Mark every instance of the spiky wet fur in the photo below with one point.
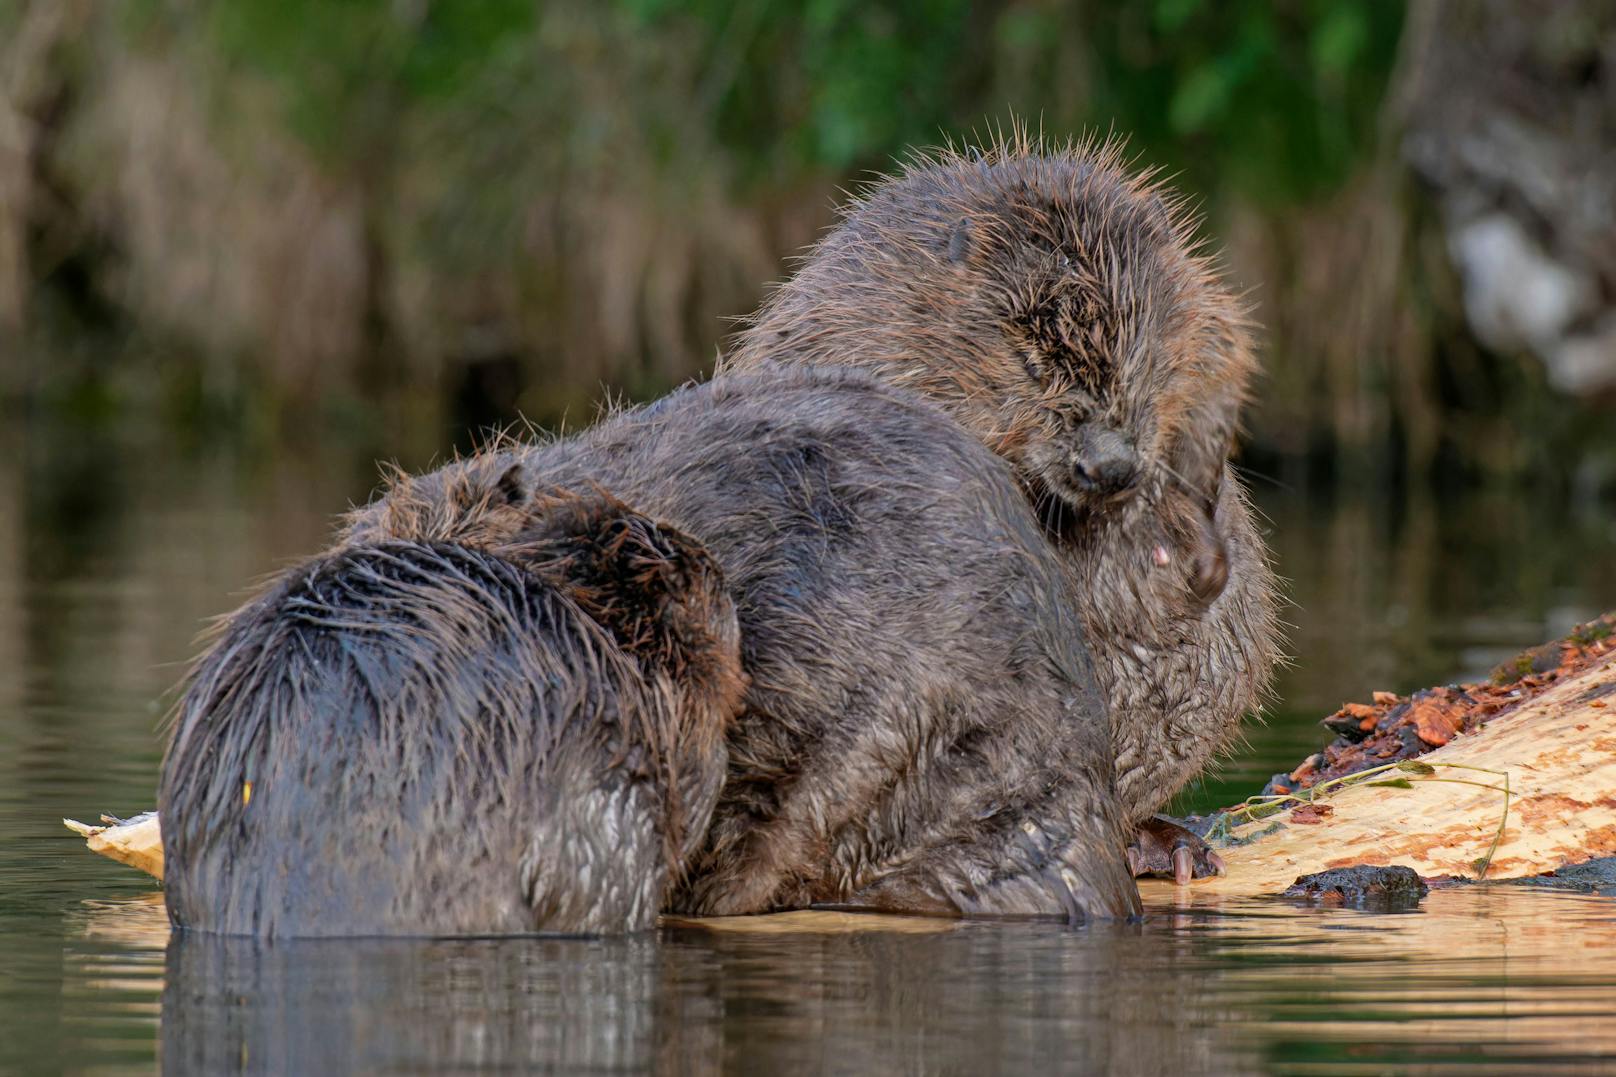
(921, 730)
(429, 734)
(1030, 290)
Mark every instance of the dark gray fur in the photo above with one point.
(922, 731)
(439, 740)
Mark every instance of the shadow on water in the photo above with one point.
(114, 549)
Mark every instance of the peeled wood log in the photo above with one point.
(1559, 751)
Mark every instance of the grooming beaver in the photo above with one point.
(922, 731)
(418, 736)
(1053, 303)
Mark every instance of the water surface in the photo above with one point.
(114, 549)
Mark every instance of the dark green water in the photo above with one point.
(114, 550)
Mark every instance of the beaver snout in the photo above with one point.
(1105, 463)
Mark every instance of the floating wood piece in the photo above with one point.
(137, 842)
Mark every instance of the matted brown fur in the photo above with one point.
(1058, 305)
(1030, 290)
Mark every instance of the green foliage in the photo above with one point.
(1273, 99)
(350, 67)
(824, 84)
(593, 185)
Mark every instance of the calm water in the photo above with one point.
(114, 550)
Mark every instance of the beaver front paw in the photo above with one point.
(1162, 847)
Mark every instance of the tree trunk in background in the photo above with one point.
(1471, 260)
(1513, 125)
(558, 224)
(30, 85)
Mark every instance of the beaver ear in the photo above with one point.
(509, 489)
(959, 241)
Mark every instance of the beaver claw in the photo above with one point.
(1162, 847)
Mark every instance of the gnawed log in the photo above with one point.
(1441, 815)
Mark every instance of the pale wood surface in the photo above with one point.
(1560, 753)
(139, 844)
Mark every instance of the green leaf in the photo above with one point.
(1393, 783)
(1024, 28)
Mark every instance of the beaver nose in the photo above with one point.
(1105, 462)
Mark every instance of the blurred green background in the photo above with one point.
(247, 248)
(271, 215)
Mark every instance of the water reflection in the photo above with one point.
(1485, 980)
(233, 1006)
(852, 1001)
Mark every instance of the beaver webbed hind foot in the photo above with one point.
(1162, 847)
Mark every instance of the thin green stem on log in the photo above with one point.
(1259, 807)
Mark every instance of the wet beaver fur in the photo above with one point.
(416, 736)
(1055, 305)
(922, 731)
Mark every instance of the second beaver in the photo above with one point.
(422, 737)
(922, 731)
(1055, 305)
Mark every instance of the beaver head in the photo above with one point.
(657, 591)
(1057, 305)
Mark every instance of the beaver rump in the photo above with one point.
(424, 737)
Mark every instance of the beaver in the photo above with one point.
(1057, 305)
(922, 731)
(420, 736)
